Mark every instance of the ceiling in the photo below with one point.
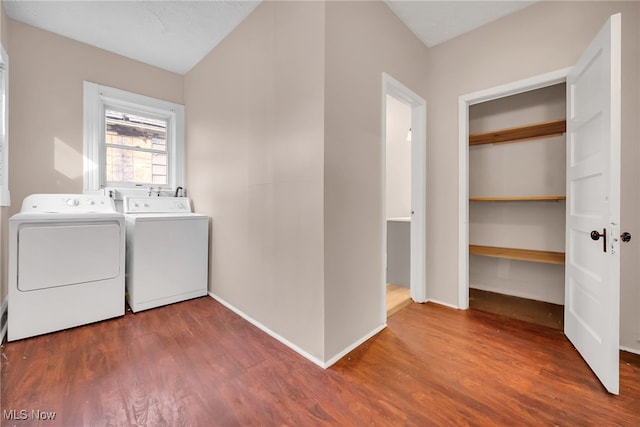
(435, 22)
(173, 35)
(176, 35)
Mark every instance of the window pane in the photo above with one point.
(135, 167)
(135, 131)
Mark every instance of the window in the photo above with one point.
(4, 129)
(136, 149)
(132, 142)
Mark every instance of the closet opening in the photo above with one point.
(593, 153)
(517, 205)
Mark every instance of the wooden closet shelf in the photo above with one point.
(517, 198)
(520, 133)
(518, 254)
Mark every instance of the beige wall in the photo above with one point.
(47, 72)
(4, 211)
(363, 40)
(255, 141)
(544, 37)
(533, 168)
(284, 145)
(4, 27)
(45, 104)
(284, 153)
(398, 159)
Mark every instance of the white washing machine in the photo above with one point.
(167, 251)
(66, 263)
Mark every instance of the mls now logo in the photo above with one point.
(14, 414)
(23, 414)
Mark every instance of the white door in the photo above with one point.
(592, 283)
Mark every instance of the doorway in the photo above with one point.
(465, 102)
(403, 171)
(593, 129)
(398, 204)
(517, 209)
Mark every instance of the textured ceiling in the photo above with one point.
(435, 22)
(176, 35)
(173, 35)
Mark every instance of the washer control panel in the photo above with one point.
(67, 203)
(153, 204)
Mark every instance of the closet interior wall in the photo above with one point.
(532, 167)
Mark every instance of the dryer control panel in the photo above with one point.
(67, 203)
(152, 204)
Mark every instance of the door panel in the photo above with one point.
(592, 285)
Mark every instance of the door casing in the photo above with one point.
(464, 102)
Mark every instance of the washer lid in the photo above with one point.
(139, 205)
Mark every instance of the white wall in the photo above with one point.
(544, 37)
(398, 159)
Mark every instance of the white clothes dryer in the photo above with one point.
(66, 263)
(167, 251)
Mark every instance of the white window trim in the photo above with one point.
(96, 98)
(5, 198)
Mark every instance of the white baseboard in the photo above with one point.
(269, 332)
(292, 346)
(435, 301)
(353, 346)
(630, 350)
(3, 319)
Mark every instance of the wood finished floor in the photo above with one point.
(197, 364)
(532, 311)
(398, 297)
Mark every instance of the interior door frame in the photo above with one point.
(464, 102)
(418, 283)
